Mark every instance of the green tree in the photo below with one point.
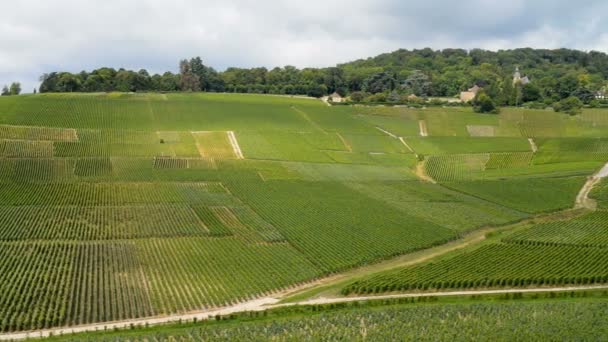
(483, 103)
(418, 83)
(15, 88)
(571, 105)
(530, 92)
(5, 91)
(379, 83)
(189, 81)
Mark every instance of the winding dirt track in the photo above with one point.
(582, 199)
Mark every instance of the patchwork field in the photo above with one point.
(120, 206)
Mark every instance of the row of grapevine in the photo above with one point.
(47, 284)
(495, 321)
(431, 202)
(37, 133)
(456, 167)
(496, 265)
(98, 223)
(588, 231)
(335, 226)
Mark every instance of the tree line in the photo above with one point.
(13, 89)
(555, 75)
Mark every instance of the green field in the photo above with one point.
(570, 316)
(119, 206)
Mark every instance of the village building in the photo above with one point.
(335, 97)
(469, 95)
(517, 78)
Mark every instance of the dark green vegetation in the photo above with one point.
(530, 317)
(117, 206)
(388, 78)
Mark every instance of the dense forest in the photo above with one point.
(392, 77)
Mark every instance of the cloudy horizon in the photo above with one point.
(38, 36)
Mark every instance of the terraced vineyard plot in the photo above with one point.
(98, 223)
(336, 227)
(461, 145)
(51, 284)
(282, 146)
(456, 167)
(11, 132)
(531, 195)
(26, 149)
(431, 202)
(496, 265)
(590, 230)
(214, 145)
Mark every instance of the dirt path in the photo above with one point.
(235, 145)
(307, 118)
(423, 130)
(345, 143)
(318, 301)
(533, 145)
(582, 199)
(420, 173)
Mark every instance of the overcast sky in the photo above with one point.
(38, 36)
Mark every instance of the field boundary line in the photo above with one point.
(308, 119)
(235, 145)
(348, 147)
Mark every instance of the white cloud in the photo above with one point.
(38, 36)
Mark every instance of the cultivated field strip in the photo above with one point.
(590, 230)
(496, 265)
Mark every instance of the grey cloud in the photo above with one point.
(38, 36)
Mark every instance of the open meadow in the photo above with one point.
(119, 206)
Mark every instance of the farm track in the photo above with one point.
(582, 199)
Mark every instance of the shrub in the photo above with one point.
(571, 105)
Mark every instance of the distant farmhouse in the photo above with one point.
(469, 95)
(335, 97)
(602, 94)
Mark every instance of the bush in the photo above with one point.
(571, 105)
(358, 96)
(483, 103)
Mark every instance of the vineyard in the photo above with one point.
(556, 319)
(121, 206)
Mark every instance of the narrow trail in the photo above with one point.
(582, 199)
(533, 146)
(235, 145)
(420, 173)
(422, 127)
